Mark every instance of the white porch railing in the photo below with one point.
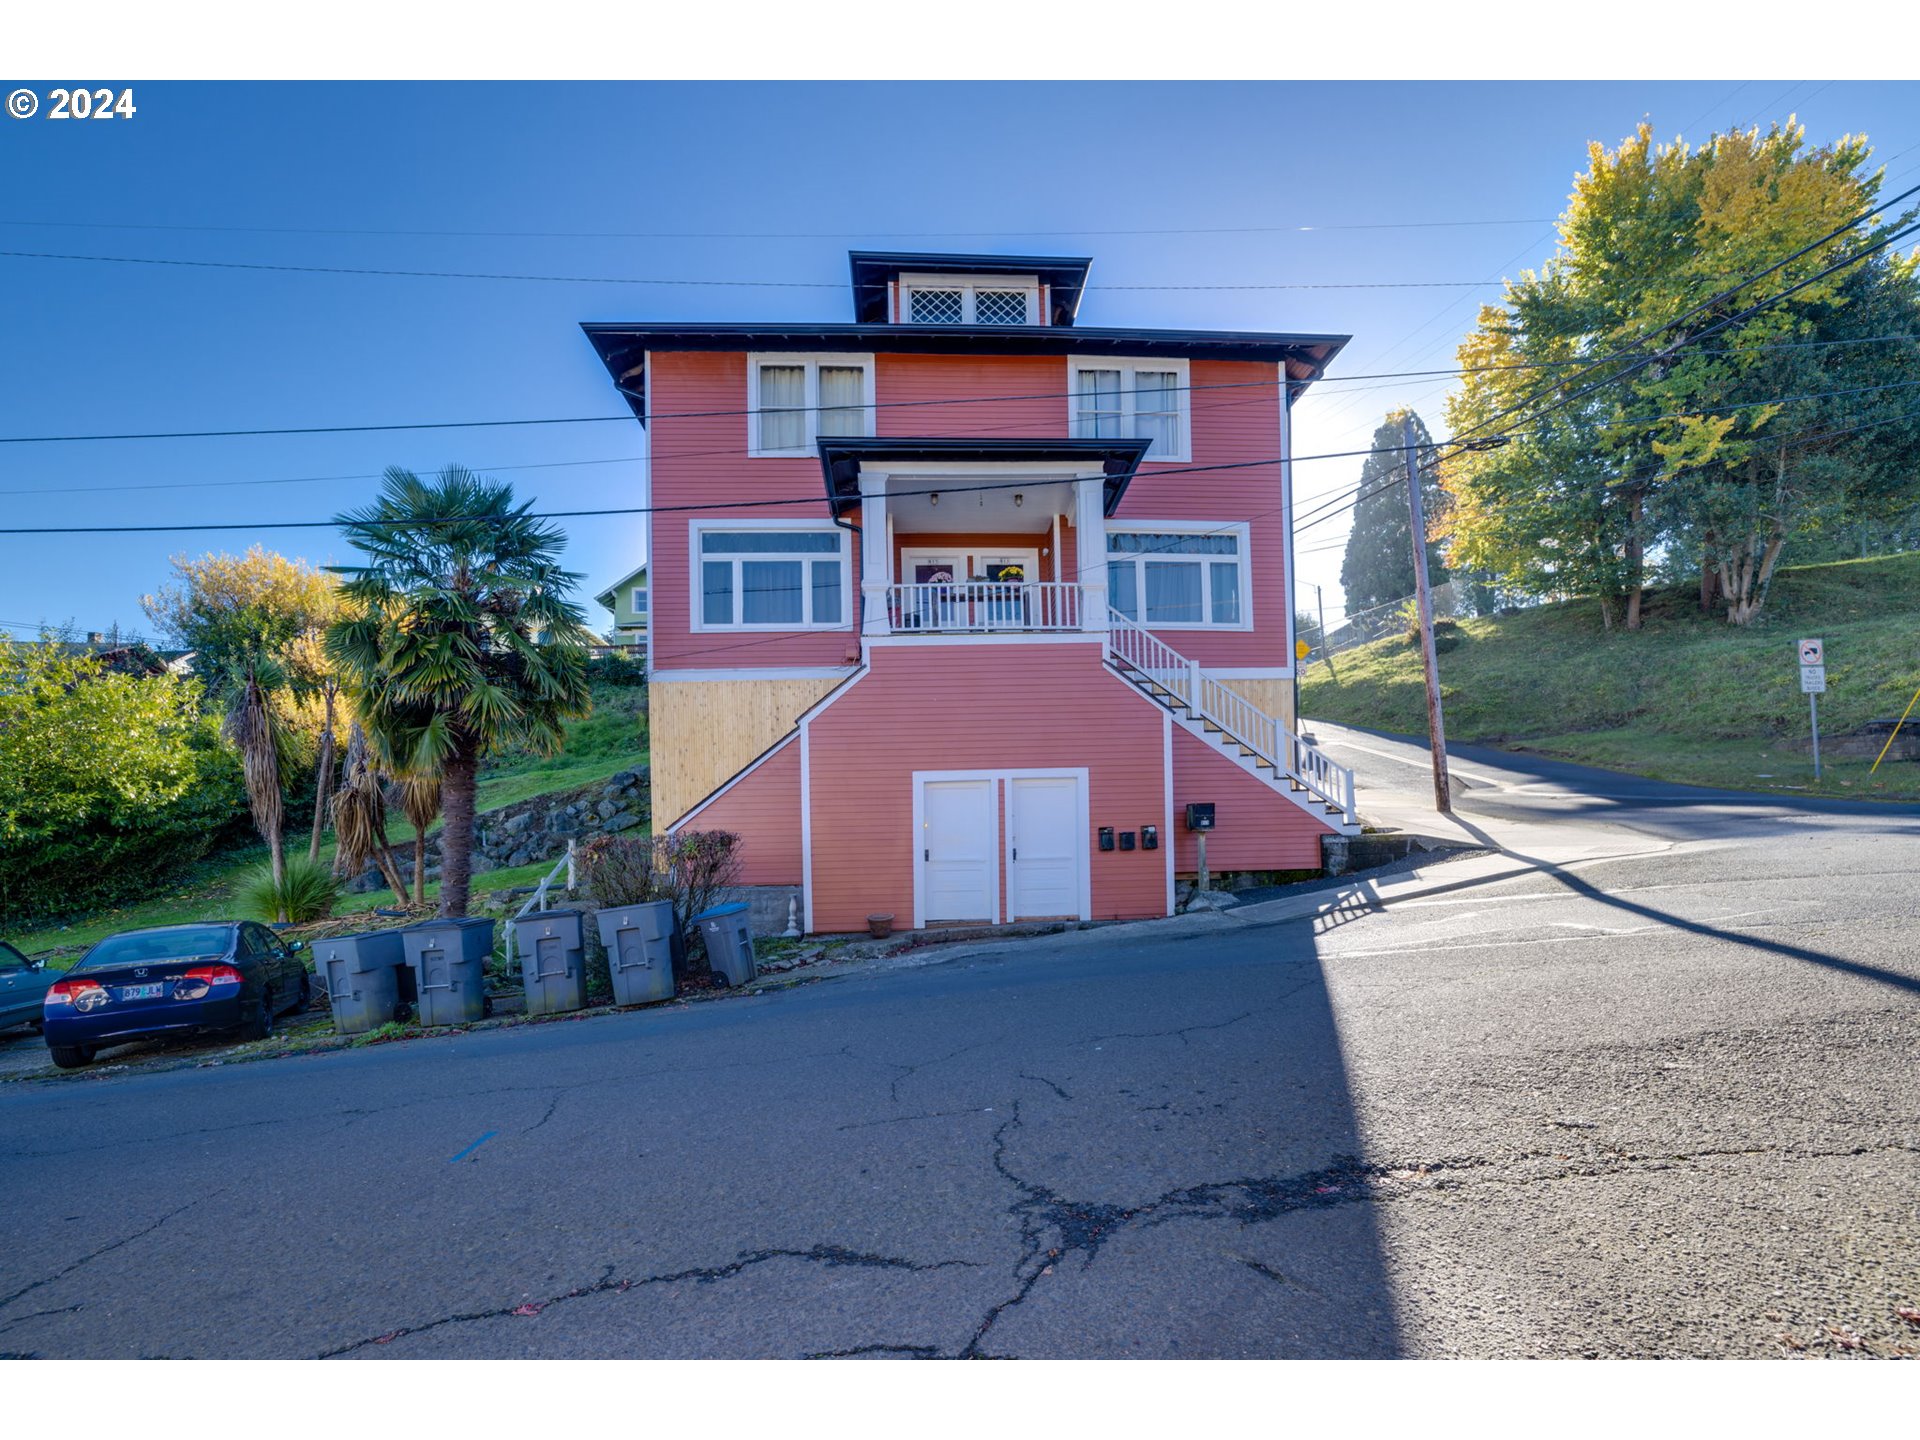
(1206, 698)
(983, 606)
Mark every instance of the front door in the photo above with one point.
(958, 875)
(1043, 848)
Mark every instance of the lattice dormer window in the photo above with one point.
(969, 300)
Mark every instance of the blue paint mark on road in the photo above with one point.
(473, 1147)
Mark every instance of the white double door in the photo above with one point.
(972, 826)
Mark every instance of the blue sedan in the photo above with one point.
(173, 980)
(23, 985)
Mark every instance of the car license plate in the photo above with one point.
(143, 992)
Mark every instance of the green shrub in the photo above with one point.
(109, 783)
(307, 891)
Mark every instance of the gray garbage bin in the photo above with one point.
(640, 943)
(449, 959)
(729, 941)
(552, 961)
(361, 974)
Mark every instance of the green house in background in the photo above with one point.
(627, 599)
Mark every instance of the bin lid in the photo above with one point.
(455, 922)
(738, 907)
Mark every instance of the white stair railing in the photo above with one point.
(538, 900)
(1207, 699)
(1140, 650)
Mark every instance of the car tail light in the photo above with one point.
(85, 993)
(214, 974)
(202, 978)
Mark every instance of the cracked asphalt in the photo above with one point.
(1660, 1102)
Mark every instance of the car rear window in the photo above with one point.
(139, 945)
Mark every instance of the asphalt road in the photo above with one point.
(1663, 1103)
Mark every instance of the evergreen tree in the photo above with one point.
(1378, 565)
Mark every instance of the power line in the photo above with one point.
(1167, 470)
(868, 405)
(1710, 302)
(759, 234)
(698, 284)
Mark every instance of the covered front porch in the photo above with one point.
(981, 537)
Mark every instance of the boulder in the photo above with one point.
(622, 821)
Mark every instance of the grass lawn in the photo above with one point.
(1688, 698)
(611, 739)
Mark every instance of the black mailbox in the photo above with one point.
(1126, 839)
(1106, 837)
(1149, 837)
(1200, 817)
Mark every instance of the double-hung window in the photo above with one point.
(1192, 577)
(789, 577)
(1133, 399)
(639, 599)
(795, 399)
(970, 299)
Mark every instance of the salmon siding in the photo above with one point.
(949, 728)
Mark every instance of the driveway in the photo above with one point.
(1651, 1095)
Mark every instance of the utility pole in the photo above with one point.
(1423, 600)
(1320, 611)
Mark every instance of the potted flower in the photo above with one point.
(879, 926)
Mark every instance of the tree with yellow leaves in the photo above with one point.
(1711, 459)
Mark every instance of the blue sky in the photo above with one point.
(91, 347)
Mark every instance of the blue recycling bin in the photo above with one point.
(729, 941)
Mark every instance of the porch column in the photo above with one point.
(1090, 534)
(876, 554)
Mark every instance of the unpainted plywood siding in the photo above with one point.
(703, 732)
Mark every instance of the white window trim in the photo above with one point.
(967, 285)
(811, 363)
(696, 596)
(634, 601)
(1242, 533)
(1128, 367)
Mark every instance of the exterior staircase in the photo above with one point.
(1257, 742)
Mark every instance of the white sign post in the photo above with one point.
(1813, 684)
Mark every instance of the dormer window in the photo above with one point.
(970, 299)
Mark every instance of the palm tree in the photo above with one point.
(418, 795)
(465, 639)
(360, 820)
(253, 729)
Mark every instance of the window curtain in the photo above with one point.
(771, 592)
(783, 401)
(1173, 592)
(1156, 410)
(843, 396)
(1099, 412)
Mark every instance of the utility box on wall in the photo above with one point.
(1200, 817)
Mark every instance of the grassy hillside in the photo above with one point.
(1687, 698)
(612, 738)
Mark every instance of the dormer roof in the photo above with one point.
(875, 270)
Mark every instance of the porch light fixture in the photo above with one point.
(1018, 499)
(933, 498)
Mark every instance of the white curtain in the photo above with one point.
(843, 394)
(1173, 592)
(783, 400)
(1099, 404)
(1156, 410)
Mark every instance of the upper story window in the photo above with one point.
(640, 600)
(778, 575)
(1133, 399)
(1179, 575)
(970, 299)
(795, 399)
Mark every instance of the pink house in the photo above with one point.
(957, 608)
